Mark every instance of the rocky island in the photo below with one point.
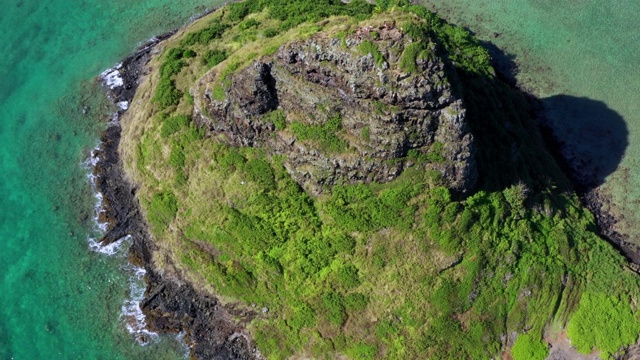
(329, 180)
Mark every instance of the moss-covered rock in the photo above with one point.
(362, 176)
(328, 78)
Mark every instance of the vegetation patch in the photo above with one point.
(326, 135)
(161, 210)
(367, 47)
(204, 36)
(528, 347)
(277, 118)
(398, 270)
(214, 57)
(603, 322)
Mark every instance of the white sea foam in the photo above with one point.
(110, 249)
(112, 77)
(131, 312)
(98, 207)
(132, 315)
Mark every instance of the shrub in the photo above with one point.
(259, 171)
(348, 276)
(189, 54)
(232, 160)
(214, 57)
(367, 47)
(171, 67)
(516, 195)
(343, 243)
(205, 35)
(333, 304)
(167, 94)
(527, 347)
(602, 322)
(356, 302)
(270, 32)
(174, 124)
(174, 54)
(303, 315)
(247, 24)
(162, 210)
(240, 10)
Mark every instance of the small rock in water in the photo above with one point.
(143, 339)
(49, 327)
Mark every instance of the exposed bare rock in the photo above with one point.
(385, 112)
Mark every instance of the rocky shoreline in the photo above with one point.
(171, 305)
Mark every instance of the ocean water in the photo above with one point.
(581, 58)
(59, 299)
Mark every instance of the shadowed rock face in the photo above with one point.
(385, 112)
(171, 307)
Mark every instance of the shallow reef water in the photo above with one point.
(62, 299)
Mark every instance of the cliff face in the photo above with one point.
(372, 118)
(234, 131)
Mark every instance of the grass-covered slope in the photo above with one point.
(398, 270)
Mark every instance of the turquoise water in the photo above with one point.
(585, 50)
(59, 299)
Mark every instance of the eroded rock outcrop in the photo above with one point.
(376, 118)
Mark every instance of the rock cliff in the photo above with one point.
(349, 112)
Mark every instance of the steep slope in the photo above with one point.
(350, 115)
(363, 185)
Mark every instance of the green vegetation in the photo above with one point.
(367, 47)
(271, 32)
(205, 35)
(174, 124)
(296, 12)
(277, 118)
(325, 135)
(366, 133)
(434, 155)
(214, 57)
(161, 210)
(412, 53)
(399, 270)
(528, 348)
(166, 92)
(603, 322)
(247, 24)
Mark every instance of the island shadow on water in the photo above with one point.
(586, 137)
(590, 137)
